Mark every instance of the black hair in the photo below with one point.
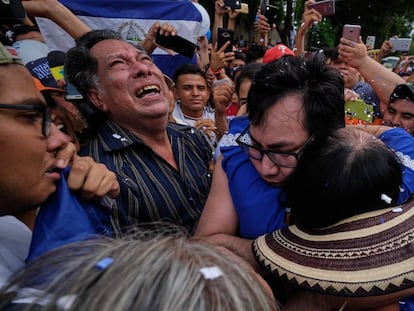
(254, 52)
(81, 69)
(188, 69)
(247, 73)
(341, 175)
(321, 89)
(331, 53)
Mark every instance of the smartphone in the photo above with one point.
(176, 43)
(325, 7)
(221, 81)
(360, 110)
(72, 93)
(233, 4)
(401, 44)
(370, 42)
(270, 11)
(244, 9)
(224, 35)
(351, 32)
(11, 12)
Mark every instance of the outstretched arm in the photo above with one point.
(59, 14)
(382, 80)
(309, 16)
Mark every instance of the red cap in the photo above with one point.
(276, 52)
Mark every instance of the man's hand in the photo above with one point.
(309, 17)
(220, 58)
(221, 95)
(93, 179)
(149, 45)
(219, 8)
(354, 54)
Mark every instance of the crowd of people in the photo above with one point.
(260, 178)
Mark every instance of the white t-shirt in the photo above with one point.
(15, 238)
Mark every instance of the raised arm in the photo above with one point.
(232, 19)
(309, 16)
(382, 80)
(219, 12)
(59, 14)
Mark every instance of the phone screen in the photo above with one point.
(176, 43)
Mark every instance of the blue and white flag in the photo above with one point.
(132, 18)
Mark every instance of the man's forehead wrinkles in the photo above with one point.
(124, 54)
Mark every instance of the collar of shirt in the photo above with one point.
(116, 138)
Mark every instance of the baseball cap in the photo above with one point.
(44, 88)
(276, 52)
(56, 61)
(34, 55)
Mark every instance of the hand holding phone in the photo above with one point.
(401, 44)
(351, 32)
(176, 43)
(224, 35)
(325, 7)
(370, 42)
(269, 11)
(244, 9)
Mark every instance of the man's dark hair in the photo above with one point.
(321, 90)
(341, 175)
(188, 69)
(80, 66)
(247, 73)
(81, 69)
(240, 55)
(331, 53)
(254, 52)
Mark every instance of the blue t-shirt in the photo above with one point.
(259, 205)
(402, 143)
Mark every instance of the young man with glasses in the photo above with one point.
(33, 152)
(291, 101)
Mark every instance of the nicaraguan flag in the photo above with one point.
(132, 18)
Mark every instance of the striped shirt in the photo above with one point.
(151, 189)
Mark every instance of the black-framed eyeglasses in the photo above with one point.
(45, 110)
(283, 159)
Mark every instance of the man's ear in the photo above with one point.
(176, 96)
(94, 97)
